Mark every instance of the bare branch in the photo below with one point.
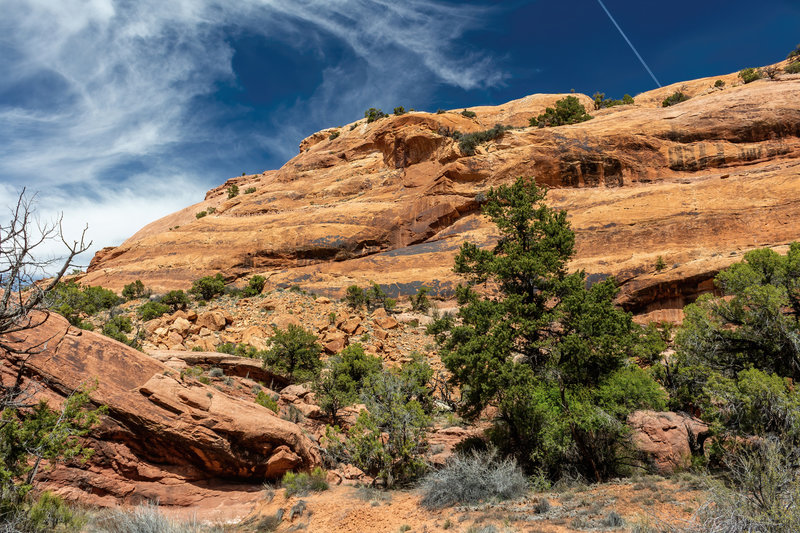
(22, 291)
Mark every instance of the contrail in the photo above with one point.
(629, 42)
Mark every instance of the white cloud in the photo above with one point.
(99, 102)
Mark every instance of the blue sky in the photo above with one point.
(118, 113)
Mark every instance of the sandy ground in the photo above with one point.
(345, 509)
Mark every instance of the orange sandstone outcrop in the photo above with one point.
(166, 436)
(697, 184)
(667, 438)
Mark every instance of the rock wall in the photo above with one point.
(697, 184)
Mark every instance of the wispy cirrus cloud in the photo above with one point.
(110, 104)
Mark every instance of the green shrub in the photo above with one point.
(377, 297)
(233, 191)
(399, 111)
(440, 326)
(469, 114)
(201, 214)
(176, 299)
(135, 290)
(343, 379)
(660, 264)
(419, 301)
(295, 352)
(601, 102)
(372, 114)
(794, 53)
(735, 354)
(254, 286)
(98, 298)
(250, 190)
(355, 297)
(467, 142)
(265, 400)
(71, 301)
(389, 440)
(239, 350)
(567, 111)
(719, 84)
(303, 483)
(29, 436)
(470, 479)
(334, 134)
(749, 75)
(151, 310)
(207, 287)
(675, 98)
(440, 111)
(792, 68)
(50, 513)
(216, 373)
(117, 327)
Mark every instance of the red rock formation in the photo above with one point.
(698, 184)
(165, 436)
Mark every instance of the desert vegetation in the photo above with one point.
(601, 102)
(750, 75)
(568, 110)
(675, 98)
(32, 434)
(467, 142)
(557, 365)
(372, 114)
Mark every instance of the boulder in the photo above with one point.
(174, 338)
(213, 320)
(254, 336)
(161, 435)
(667, 438)
(335, 345)
(181, 326)
(386, 322)
(283, 321)
(351, 325)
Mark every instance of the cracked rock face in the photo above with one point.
(166, 436)
(697, 184)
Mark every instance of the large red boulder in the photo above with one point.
(166, 436)
(667, 438)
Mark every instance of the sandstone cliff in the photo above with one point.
(697, 184)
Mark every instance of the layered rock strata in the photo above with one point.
(697, 184)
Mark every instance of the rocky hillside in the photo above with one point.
(696, 184)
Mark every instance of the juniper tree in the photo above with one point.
(549, 352)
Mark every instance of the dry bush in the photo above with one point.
(761, 495)
(145, 518)
(471, 478)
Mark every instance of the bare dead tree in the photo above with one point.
(23, 288)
